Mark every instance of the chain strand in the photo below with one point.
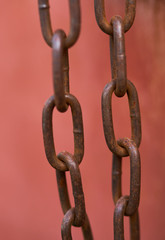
(124, 205)
(62, 99)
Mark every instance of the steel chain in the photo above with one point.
(124, 205)
(62, 99)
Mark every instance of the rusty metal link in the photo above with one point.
(118, 58)
(68, 222)
(119, 221)
(134, 196)
(46, 26)
(79, 210)
(102, 22)
(63, 191)
(73, 216)
(108, 122)
(60, 70)
(48, 131)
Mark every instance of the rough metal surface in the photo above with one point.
(135, 168)
(118, 58)
(62, 99)
(108, 117)
(124, 205)
(77, 131)
(119, 221)
(65, 161)
(75, 22)
(105, 25)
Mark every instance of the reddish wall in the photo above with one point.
(29, 203)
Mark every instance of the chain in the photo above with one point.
(120, 85)
(62, 99)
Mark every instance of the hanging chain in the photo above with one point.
(64, 161)
(124, 205)
(62, 99)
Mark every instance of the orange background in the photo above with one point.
(29, 202)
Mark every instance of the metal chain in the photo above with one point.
(64, 161)
(62, 99)
(124, 205)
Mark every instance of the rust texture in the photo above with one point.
(75, 22)
(60, 70)
(73, 216)
(78, 194)
(105, 25)
(134, 155)
(77, 131)
(118, 58)
(60, 42)
(120, 85)
(68, 222)
(119, 221)
(108, 119)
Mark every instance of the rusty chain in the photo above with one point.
(124, 205)
(62, 99)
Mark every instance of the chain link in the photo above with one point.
(60, 70)
(124, 205)
(77, 131)
(46, 26)
(62, 99)
(118, 58)
(134, 155)
(105, 26)
(119, 221)
(108, 119)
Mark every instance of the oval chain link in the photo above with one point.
(46, 26)
(68, 222)
(79, 209)
(134, 196)
(60, 70)
(118, 58)
(105, 26)
(118, 221)
(108, 120)
(73, 216)
(48, 132)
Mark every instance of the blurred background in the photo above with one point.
(29, 202)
